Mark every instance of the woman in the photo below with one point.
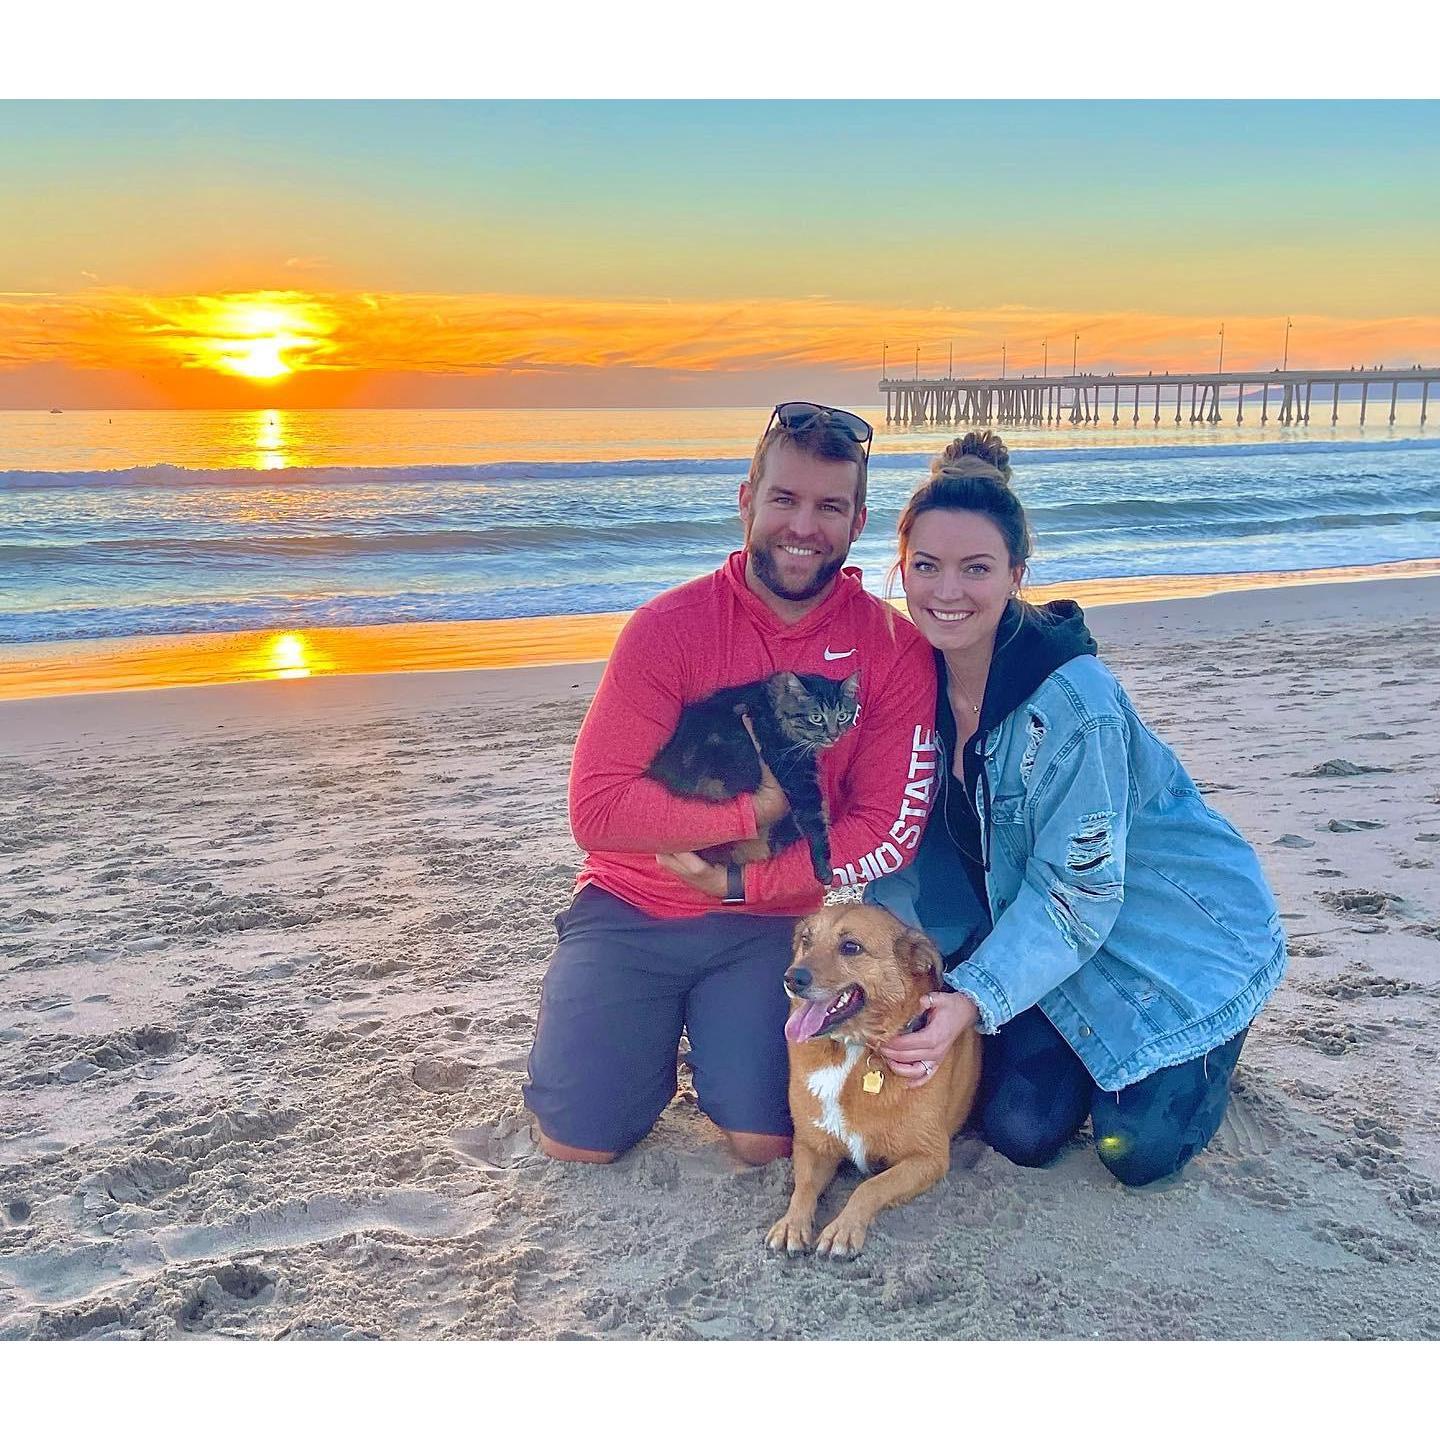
(1110, 934)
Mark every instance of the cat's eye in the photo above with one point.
(816, 718)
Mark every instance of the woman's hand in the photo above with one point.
(686, 865)
(916, 1057)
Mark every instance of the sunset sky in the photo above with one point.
(393, 253)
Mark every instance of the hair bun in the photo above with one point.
(985, 446)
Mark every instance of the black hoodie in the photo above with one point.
(1031, 643)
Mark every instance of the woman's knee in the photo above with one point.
(1025, 1139)
(1136, 1163)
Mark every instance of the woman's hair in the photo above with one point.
(972, 474)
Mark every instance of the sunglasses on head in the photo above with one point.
(797, 415)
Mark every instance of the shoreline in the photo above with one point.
(50, 669)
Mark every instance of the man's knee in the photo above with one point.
(757, 1149)
(556, 1151)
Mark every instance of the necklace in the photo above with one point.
(974, 708)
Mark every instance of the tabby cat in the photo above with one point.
(794, 716)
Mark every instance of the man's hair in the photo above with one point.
(825, 441)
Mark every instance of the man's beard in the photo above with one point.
(764, 562)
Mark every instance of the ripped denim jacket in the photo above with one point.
(1133, 914)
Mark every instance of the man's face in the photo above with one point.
(800, 521)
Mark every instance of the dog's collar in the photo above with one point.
(916, 1022)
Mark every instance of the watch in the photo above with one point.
(734, 884)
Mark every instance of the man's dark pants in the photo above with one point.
(621, 988)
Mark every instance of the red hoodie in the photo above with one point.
(684, 645)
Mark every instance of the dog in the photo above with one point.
(856, 980)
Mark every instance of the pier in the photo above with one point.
(1204, 398)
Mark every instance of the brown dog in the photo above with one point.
(857, 979)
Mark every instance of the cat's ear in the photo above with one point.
(850, 687)
(917, 953)
(794, 686)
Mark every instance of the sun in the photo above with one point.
(259, 359)
(264, 337)
(260, 338)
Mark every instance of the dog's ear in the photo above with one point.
(914, 950)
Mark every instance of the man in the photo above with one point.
(656, 940)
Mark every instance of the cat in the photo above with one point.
(794, 716)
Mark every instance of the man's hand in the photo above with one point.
(770, 801)
(915, 1057)
(686, 865)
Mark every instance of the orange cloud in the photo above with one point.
(274, 335)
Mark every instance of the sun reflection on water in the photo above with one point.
(284, 655)
(270, 440)
(288, 655)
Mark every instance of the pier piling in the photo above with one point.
(1078, 398)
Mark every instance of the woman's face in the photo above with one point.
(957, 577)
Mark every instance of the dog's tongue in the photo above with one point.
(804, 1022)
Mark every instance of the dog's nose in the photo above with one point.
(797, 979)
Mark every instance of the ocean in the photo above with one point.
(166, 523)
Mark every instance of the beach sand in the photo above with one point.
(272, 952)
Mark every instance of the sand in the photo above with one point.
(271, 954)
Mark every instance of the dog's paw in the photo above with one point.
(842, 1239)
(791, 1234)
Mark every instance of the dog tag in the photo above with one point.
(872, 1082)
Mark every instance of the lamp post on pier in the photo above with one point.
(1285, 360)
(1220, 368)
(1002, 361)
(884, 351)
(1074, 355)
(1045, 348)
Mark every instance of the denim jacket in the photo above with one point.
(1133, 914)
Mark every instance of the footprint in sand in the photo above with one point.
(507, 1144)
(1368, 1244)
(1342, 769)
(149, 1042)
(442, 1076)
(230, 1288)
(1361, 902)
(1359, 983)
(1252, 1124)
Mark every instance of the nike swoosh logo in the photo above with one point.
(838, 654)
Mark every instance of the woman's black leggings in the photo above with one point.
(1036, 1092)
